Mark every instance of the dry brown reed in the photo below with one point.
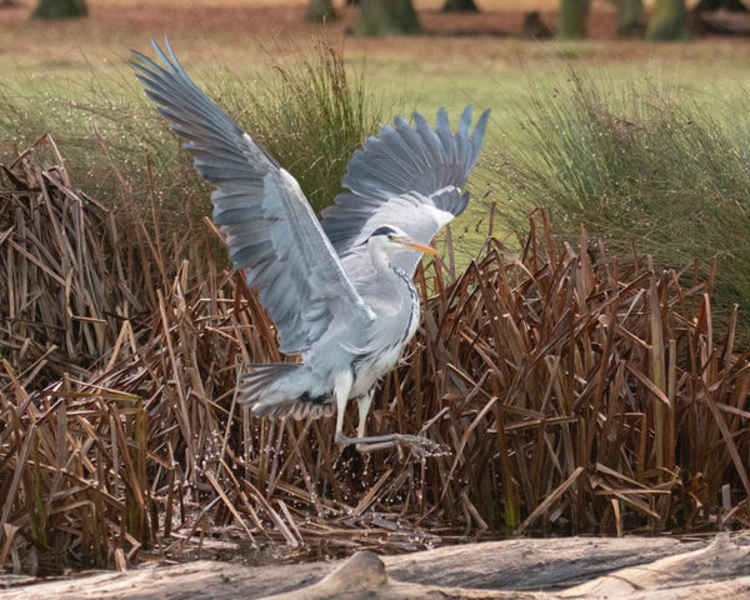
(575, 394)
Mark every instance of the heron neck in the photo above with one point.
(382, 261)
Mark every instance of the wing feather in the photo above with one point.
(410, 177)
(270, 228)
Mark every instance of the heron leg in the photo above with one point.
(366, 444)
(364, 403)
(421, 446)
(341, 386)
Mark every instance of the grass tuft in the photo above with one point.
(642, 165)
(310, 114)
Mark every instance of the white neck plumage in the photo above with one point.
(381, 257)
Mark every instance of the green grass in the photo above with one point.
(311, 114)
(542, 148)
(112, 139)
(309, 109)
(657, 165)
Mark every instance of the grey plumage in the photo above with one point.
(260, 208)
(340, 291)
(399, 175)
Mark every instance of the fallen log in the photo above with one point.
(531, 564)
(363, 577)
(523, 569)
(724, 565)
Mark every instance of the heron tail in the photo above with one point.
(273, 390)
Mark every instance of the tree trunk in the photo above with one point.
(534, 28)
(60, 9)
(320, 11)
(459, 6)
(573, 16)
(668, 21)
(629, 13)
(712, 5)
(387, 17)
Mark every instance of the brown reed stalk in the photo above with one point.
(575, 392)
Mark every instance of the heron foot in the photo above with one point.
(421, 446)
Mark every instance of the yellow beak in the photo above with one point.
(420, 247)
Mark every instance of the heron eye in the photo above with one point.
(391, 236)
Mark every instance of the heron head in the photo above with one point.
(392, 240)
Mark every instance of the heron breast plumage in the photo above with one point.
(393, 331)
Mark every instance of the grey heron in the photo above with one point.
(339, 290)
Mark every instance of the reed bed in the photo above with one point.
(574, 392)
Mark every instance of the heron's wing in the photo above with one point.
(270, 228)
(410, 177)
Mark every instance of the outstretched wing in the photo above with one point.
(408, 177)
(269, 225)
